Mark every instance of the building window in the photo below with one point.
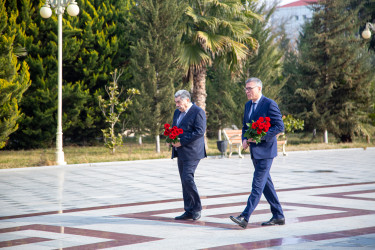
(304, 17)
(296, 18)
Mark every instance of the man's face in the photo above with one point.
(181, 104)
(253, 91)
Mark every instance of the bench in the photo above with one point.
(234, 139)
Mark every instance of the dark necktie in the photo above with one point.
(252, 110)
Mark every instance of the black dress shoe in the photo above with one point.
(273, 222)
(196, 215)
(240, 220)
(184, 216)
(188, 216)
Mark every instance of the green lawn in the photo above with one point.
(133, 151)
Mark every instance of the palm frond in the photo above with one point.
(193, 55)
(217, 28)
(211, 42)
(253, 15)
(239, 49)
(191, 13)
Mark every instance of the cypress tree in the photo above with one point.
(90, 44)
(14, 76)
(335, 71)
(293, 73)
(154, 52)
(222, 107)
(103, 38)
(266, 62)
(40, 101)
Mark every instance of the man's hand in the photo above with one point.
(244, 144)
(250, 140)
(176, 145)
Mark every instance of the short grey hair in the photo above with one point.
(183, 94)
(257, 81)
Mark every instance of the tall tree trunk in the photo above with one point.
(199, 92)
(199, 87)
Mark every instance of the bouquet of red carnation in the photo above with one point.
(258, 129)
(172, 133)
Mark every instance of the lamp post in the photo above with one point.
(46, 12)
(366, 34)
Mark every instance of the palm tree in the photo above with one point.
(215, 29)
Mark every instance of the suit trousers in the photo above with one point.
(192, 201)
(262, 183)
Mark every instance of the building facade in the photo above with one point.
(293, 16)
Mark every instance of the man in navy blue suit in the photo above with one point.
(189, 150)
(262, 154)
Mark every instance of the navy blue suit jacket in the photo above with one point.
(267, 148)
(192, 140)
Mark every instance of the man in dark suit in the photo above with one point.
(189, 150)
(262, 154)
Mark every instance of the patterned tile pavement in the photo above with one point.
(328, 197)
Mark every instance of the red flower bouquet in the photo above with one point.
(172, 133)
(258, 129)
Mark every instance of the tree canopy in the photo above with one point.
(14, 75)
(333, 72)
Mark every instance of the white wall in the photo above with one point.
(293, 17)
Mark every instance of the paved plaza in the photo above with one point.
(328, 197)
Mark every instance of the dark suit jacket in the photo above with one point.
(267, 148)
(192, 140)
